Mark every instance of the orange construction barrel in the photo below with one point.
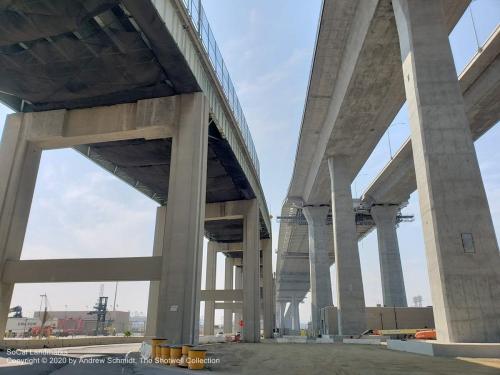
(165, 354)
(175, 355)
(196, 359)
(155, 343)
(185, 349)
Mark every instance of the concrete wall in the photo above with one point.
(384, 318)
(67, 342)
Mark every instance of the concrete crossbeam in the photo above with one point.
(149, 119)
(82, 270)
(222, 295)
(225, 210)
(236, 307)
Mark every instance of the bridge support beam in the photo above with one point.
(391, 272)
(238, 284)
(295, 313)
(251, 273)
(154, 286)
(228, 284)
(281, 307)
(180, 284)
(19, 162)
(210, 277)
(268, 287)
(350, 294)
(461, 247)
(319, 262)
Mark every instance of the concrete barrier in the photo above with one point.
(363, 341)
(68, 342)
(437, 349)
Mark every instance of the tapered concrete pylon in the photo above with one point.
(350, 294)
(180, 284)
(210, 277)
(391, 271)
(268, 287)
(238, 284)
(319, 262)
(251, 274)
(19, 162)
(460, 243)
(228, 284)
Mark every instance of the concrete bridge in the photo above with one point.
(371, 56)
(140, 88)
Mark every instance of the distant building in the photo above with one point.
(18, 327)
(83, 323)
(137, 324)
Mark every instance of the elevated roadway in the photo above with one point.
(480, 85)
(140, 88)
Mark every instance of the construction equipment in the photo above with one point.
(17, 310)
(100, 309)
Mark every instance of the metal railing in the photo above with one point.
(199, 19)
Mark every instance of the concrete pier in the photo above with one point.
(461, 247)
(228, 285)
(280, 315)
(295, 313)
(19, 161)
(180, 284)
(268, 287)
(251, 274)
(350, 294)
(391, 272)
(154, 286)
(210, 278)
(321, 284)
(238, 284)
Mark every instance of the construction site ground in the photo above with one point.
(266, 358)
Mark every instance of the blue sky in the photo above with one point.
(81, 211)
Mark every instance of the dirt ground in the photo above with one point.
(341, 359)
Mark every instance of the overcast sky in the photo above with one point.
(79, 210)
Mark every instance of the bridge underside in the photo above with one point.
(78, 54)
(75, 54)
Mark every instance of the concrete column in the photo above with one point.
(391, 272)
(281, 315)
(267, 270)
(295, 314)
(350, 295)
(19, 161)
(238, 284)
(319, 262)
(461, 247)
(228, 284)
(288, 317)
(251, 274)
(154, 286)
(179, 297)
(210, 278)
